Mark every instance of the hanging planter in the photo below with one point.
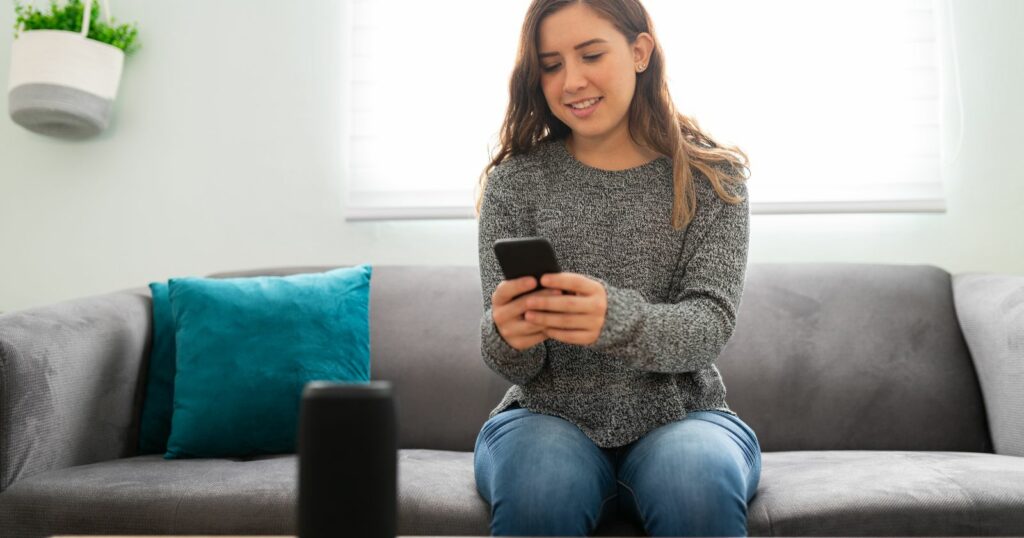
(65, 72)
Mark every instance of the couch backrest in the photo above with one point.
(837, 356)
(825, 356)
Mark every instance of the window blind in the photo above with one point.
(837, 104)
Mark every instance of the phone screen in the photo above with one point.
(526, 256)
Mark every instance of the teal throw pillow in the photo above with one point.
(158, 402)
(246, 347)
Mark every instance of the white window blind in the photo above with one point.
(837, 104)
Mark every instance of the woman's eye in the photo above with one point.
(551, 68)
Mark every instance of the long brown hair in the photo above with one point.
(652, 115)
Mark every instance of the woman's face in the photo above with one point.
(605, 68)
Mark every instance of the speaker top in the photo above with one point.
(377, 388)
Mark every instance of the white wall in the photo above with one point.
(225, 152)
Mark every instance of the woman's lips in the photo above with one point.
(586, 111)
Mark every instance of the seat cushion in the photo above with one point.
(255, 496)
(824, 493)
(151, 495)
(888, 493)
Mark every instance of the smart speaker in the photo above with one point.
(348, 460)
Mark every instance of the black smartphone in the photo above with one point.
(526, 256)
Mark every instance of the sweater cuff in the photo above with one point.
(619, 319)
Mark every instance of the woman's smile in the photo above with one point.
(583, 113)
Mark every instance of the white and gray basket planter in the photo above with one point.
(62, 83)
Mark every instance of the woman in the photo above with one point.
(616, 400)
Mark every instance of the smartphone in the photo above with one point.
(526, 256)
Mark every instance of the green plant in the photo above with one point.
(69, 18)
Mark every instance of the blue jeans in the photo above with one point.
(542, 476)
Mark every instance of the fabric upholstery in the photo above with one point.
(848, 356)
(826, 356)
(856, 378)
(990, 308)
(70, 378)
(801, 493)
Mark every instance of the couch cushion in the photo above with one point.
(801, 493)
(149, 495)
(990, 308)
(837, 356)
(888, 493)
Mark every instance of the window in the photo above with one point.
(837, 104)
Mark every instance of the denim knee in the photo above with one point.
(690, 478)
(541, 475)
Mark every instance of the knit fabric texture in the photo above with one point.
(672, 294)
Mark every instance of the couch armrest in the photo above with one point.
(990, 308)
(70, 382)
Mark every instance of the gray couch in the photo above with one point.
(887, 400)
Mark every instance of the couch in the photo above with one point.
(887, 400)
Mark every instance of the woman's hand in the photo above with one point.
(573, 319)
(508, 303)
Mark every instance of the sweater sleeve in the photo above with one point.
(505, 212)
(689, 332)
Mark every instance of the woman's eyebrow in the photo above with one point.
(577, 47)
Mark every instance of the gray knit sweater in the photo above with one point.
(672, 295)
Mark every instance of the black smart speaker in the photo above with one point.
(348, 460)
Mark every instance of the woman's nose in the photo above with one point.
(574, 80)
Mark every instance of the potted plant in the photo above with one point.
(65, 68)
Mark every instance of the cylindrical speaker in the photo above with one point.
(348, 460)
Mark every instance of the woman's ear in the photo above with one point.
(642, 48)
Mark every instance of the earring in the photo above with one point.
(641, 67)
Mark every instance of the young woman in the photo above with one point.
(616, 401)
